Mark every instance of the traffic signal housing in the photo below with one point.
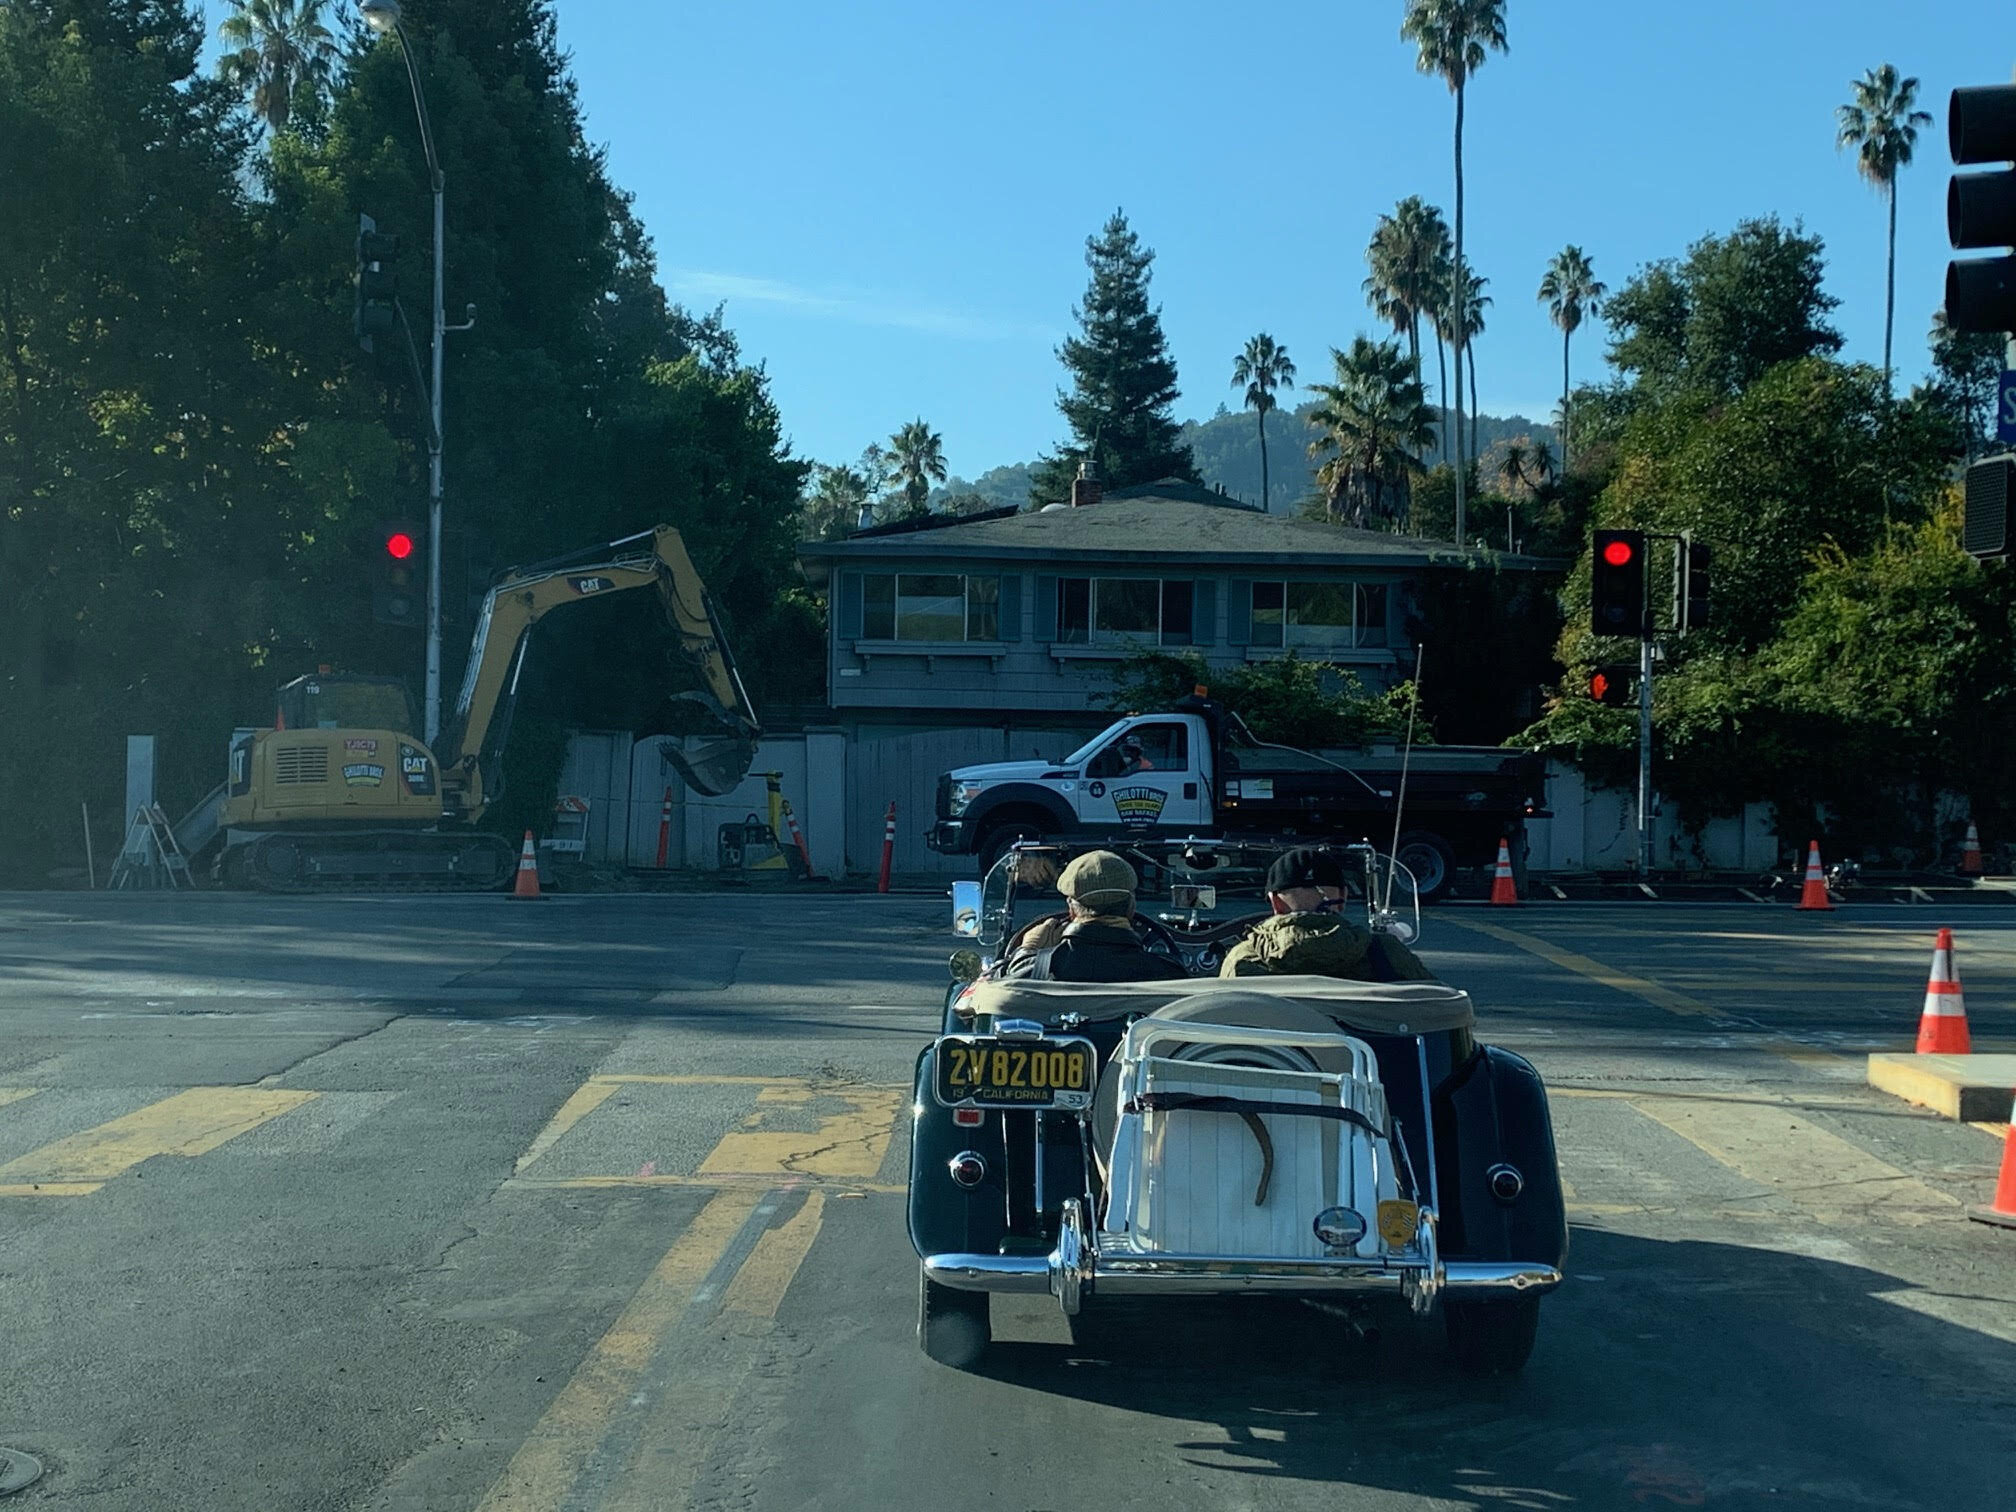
(1984, 527)
(399, 593)
(1617, 583)
(1690, 598)
(1981, 209)
(377, 286)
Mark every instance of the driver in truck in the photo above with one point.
(1307, 936)
(1099, 944)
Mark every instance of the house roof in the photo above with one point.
(1161, 523)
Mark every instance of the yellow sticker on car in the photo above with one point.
(1399, 1220)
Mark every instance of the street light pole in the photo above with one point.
(382, 16)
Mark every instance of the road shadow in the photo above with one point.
(1669, 1374)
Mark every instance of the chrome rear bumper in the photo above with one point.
(1073, 1270)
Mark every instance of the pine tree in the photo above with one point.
(1123, 379)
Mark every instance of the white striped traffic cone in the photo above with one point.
(1942, 1027)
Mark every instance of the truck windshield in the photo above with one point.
(1085, 751)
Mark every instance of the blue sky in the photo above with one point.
(892, 197)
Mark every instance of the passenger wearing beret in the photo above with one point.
(1307, 936)
(1099, 944)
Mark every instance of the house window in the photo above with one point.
(1126, 611)
(930, 607)
(1319, 616)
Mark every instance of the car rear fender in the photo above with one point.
(1493, 1115)
(944, 1216)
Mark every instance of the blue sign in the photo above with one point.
(2005, 408)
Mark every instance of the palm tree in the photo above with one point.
(1374, 420)
(1513, 469)
(279, 47)
(1459, 330)
(916, 461)
(1882, 127)
(1570, 290)
(1453, 38)
(1541, 467)
(1409, 258)
(1263, 367)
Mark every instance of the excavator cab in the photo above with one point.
(343, 701)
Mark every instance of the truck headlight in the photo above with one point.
(963, 793)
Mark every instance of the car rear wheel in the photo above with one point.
(952, 1325)
(1492, 1338)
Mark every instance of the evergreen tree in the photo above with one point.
(1123, 379)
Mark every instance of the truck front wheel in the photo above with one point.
(1429, 857)
(994, 844)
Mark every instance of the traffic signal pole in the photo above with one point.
(1645, 749)
(433, 715)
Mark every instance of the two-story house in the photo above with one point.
(1016, 614)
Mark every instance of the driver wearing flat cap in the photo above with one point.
(1308, 936)
(1099, 943)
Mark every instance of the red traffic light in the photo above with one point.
(1599, 687)
(399, 545)
(1618, 553)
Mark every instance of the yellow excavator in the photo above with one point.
(342, 793)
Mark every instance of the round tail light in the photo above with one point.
(967, 1168)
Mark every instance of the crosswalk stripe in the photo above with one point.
(542, 1471)
(1828, 1178)
(759, 1287)
(585, 1099)
(191, 1122)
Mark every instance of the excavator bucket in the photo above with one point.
(714, 764)
(714, 767)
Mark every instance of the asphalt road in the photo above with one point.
(466, 1203)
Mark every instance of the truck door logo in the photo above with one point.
(1139, 805)
(363, 774)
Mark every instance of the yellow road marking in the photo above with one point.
(192, 1122)
(50, 1188)
(772, 1266)
(16, 1094)
(543, 1469)
(586, 1098)
(1596, 971)
(766, 1180)
(1830, 1179)
(850, 1143)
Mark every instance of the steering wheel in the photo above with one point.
(1154, 934)
(1157, 936)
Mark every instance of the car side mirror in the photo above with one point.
(966, 909)
(965, 965)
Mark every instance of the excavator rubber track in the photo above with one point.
(374, 860)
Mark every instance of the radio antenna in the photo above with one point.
(1406, 759)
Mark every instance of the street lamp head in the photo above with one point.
(380, 15)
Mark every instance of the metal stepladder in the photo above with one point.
(149, 852)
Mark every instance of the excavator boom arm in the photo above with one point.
(657, 560)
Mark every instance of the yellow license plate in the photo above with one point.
(982, 1071)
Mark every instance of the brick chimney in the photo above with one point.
(1085, 487)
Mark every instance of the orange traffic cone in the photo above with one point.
(1970, 852)
(2002, 1210)
(527, 885)
(1503, 893)
(1814, 893)
(1942, 1027)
